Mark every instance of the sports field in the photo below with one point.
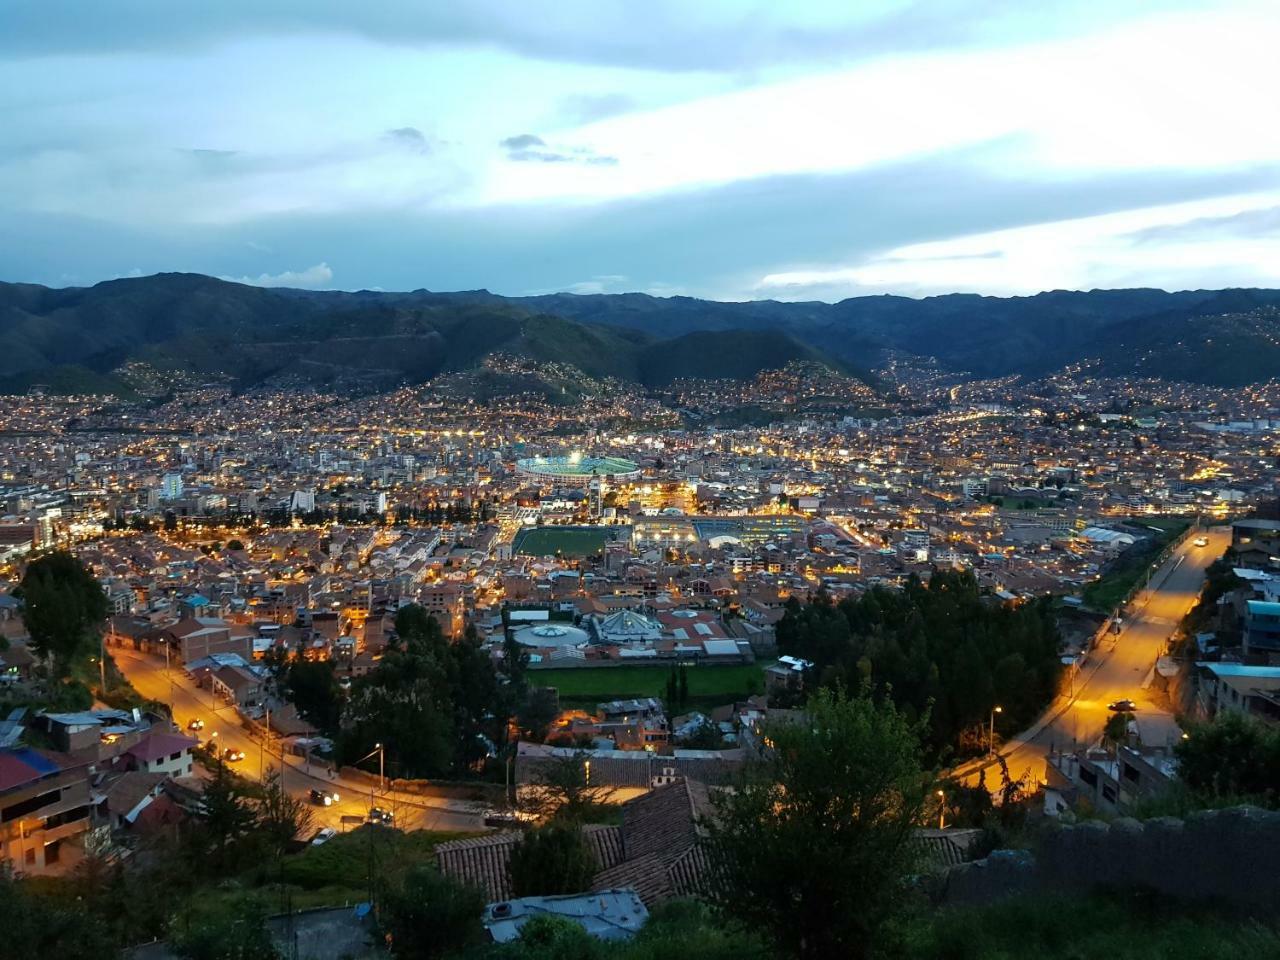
(706, 684)
(567, 541)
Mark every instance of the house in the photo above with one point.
(45, 807)
(656, 851)
(129, 794)
(1261, 627)
(237, 684)
(605, 914)
(162, 753)
(1237, 686)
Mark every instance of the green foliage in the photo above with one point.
(707, 684)
(430, 915)
(552, 859)
(313, 688)
(1234, 757)
(225, 929)
(63, 609)
(1127, 570)
(1060, 928)
(941, 650)
(36, 926)
(430, 702)
(536, 712)
(562, 788)
(814, 848)
(1116, 729)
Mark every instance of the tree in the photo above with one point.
(537, 712)
(313, 688)
(430, 915)
(562, 788)
(234, 929)
(280, 817)
(225, 819)
(63, 609)
(552, 859)
(1116, 729)
(1232, 757)
(36, 926)
(815, 844)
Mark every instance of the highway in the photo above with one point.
(1119, 668)
(188, 702)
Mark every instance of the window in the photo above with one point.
(1132, 774)
(1088, 776)
(1108, 793)
(29, 858)
(175, 756)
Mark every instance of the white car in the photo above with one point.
(1201, 541)
(323, 836)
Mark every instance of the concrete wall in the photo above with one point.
(1228, 855)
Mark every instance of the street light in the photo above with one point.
(942, 810)
(991, 735)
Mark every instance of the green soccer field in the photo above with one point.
(567, 541)
(706, 684)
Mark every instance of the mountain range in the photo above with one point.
(82, 338)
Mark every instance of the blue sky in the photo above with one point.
(729, 150)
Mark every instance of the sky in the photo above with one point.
(731, 150)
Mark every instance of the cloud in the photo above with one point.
(317, 277)
(530, 148)
(522, 141)
(410, 138)
(606, 283)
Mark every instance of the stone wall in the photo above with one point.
(1230, 855)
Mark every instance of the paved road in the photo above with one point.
(1121, 666)
(188, 702)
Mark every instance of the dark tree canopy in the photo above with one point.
(941, 649)
(1234, 757)
(313, 688)
(430, 702)
(815, 845)
(552, 859)
(64, 608)
(431, 915)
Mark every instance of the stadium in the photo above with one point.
(576, 469)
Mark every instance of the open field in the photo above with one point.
(567, 541)
(706, 684)
(1132, 565)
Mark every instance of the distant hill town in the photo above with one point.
(81, 340)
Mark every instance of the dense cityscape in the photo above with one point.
(592, 480)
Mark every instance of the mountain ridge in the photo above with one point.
(204, 326)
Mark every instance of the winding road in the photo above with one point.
(188, 702)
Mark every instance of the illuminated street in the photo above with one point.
(147, 674)
(1119, 668)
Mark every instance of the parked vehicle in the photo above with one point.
(323, 836)
(501, 818)
(1122, 706)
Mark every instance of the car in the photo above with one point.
(323, 798)
(1201, 541)
(382, 817)
(232, 755)
(501, 818)
(1122, 706)
(196, 724)
(323, 836)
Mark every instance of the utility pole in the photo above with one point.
(991, 735)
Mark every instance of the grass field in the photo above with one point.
(1131, 566)
(567, 541)
(706, 684)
